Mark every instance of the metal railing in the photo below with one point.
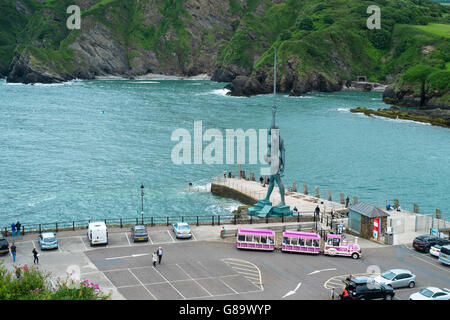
(213, 220)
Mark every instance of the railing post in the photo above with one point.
(73, 225)
(234, 218)
(105, 222)
(56, 226)
(121, 222)
(23, 230)
(327, 221)
(212, 220)
(218, 219)
(152, 222)
(182, 218)
(298, 216)
(282, 217)
(167, 221)
(267, 219)
(137, 220)
(251, 219)
(197, 221)
(40, 228)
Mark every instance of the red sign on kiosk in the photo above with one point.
(376, 228)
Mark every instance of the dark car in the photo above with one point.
(139, 233)
(424, 242)
(4, 245)
(372, 291)
(357, 281)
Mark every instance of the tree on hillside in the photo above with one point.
(306, 24)
(419, 73)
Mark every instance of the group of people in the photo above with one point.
(15, 229)
(157, 256)
(13, 250)
(346, 292)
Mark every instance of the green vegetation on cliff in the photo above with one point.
(323, 41)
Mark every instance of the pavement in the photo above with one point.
(208, 267)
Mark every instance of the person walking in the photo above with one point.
(261, 179)
(18, 226)
(36, 256)
(317, 211)
(13, 251)
(160, 254)
(225, 174)
(154, 259)
(13, 229)
(347, 200)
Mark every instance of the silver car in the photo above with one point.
(397, 278)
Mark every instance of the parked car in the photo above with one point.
(431, 293)
(436, 249)
(372, 291)
(424, 242)
(397, 278)
(47, 240)
(4, 245)
(182, 230)
(97, 233)
(139, 233)
(444, 256)
(357, 281)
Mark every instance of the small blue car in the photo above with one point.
(182, 230)
(47, 240)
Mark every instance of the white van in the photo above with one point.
(97, 233)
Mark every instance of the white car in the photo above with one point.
(431, 293)
(397, 278)
(435, 250)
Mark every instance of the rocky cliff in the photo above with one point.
(320, 44)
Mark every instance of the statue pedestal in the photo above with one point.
(264, 208)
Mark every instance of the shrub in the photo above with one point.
(34, 284)
(306, 24)
(328, 20)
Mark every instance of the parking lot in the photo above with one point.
(206, 267)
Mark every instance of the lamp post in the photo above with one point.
(142, 200)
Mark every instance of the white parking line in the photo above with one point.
(169, 283)
(81, 239)
(142, 284)
(129, 243)
(194, 280)
(170, 236)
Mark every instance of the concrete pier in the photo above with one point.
(306, 204)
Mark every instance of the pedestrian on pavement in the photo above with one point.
(13, 251)
(13, 229)
(347, 200)
(18, 226)
(225, 174)
(317, 210)
(160, 254)
(154, 259)
(36, 256)
(261, 179)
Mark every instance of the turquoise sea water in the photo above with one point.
(81, 150)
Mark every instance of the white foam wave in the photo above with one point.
(401, 120)
(220, 92)
(144, 82)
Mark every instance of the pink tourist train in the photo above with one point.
(334, 246)
(259, 239)
(294, 241)
(306, 242)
